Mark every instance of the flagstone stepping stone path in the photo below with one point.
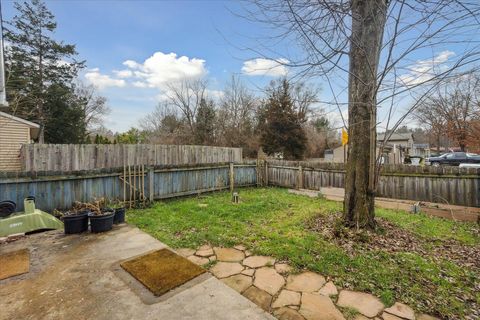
(303, 296)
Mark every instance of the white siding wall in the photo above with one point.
(12, 135)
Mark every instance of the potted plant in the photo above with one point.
(75, 221)
(101, 220)
(119, 209)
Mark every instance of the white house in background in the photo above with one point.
(14, 132)
(397, 147)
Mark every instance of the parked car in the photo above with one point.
(453, 159)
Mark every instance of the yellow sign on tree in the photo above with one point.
(344, 137)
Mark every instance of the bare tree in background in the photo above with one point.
(94, 106)
(165, 125)
(453, 109)
(237, 117)
(374, 45)
(186, 96)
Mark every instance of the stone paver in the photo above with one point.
(258, 261)
(283, 268)
(204, 252)
(249, 272)
(287, 298)
(365, 303)
(198, 260)
(360, 317)
(269, 280)
(205, 247)
(185, 252)
(238, 282)
(401, 310)
(426, 317)
(212, 258)
(287, 314)
(328, 289)
(240, 247)
(318, 307)
(226, 269)
(259, 297)
(388, 316)
(229, 254)
(305, 282)
(248, 253)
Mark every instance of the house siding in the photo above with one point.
(12, 135)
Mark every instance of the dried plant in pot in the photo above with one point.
(101, 221)
(101, 218)
(75, 221)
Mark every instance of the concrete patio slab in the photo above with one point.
(77, 277)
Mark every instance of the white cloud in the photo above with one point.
(123, 73)
(161, 69)
(424, 70)
(265, 67)
(102, 81)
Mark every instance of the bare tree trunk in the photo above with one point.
(368, 21)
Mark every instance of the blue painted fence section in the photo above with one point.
(57, 191)
(53, 192)
(245, 175)
(179, 182)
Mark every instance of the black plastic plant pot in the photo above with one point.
(101, 223)
(119, 216)
(76, 223)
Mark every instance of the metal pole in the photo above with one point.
(3, 95)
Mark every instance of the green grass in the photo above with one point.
(273, 222)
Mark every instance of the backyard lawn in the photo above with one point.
(430, 264)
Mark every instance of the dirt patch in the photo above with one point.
(391, 238)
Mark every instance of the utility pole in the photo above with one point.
(3, 94)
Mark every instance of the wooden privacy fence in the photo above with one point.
(58, 190)
(73, 157)
(448, 185)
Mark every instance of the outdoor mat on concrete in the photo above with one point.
(14, 263)
(161, 271)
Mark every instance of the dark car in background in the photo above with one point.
(453, 159)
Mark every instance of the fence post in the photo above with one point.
(300, 178)
(151, 191)
(266, 174)
(232, 177)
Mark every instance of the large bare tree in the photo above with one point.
(383, 51)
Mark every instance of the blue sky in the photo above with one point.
(134, 49)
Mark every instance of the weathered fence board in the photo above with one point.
(449, 185)
(71, 157)
(59, 191)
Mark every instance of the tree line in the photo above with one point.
(284, 122)
(42, 82)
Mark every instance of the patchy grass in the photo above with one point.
(273, 222)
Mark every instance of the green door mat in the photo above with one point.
(14, 263)
(161, 271)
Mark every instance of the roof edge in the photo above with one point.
(28, 123)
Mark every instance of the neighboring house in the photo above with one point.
(14, 132)
(395, 149)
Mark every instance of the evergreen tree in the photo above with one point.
(35, 61)
(205, 123)
(64, 123)
(281, 129)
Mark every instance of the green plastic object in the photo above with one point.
(30, 220)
